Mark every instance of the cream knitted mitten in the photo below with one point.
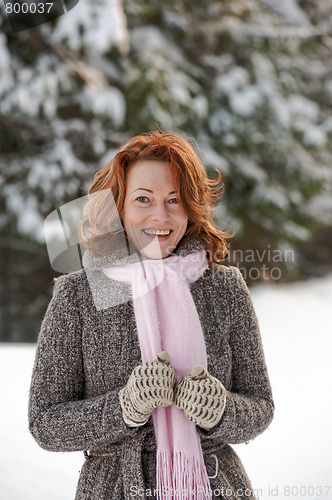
(149, 385)
(201, 397)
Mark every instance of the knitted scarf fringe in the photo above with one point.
(181, 478)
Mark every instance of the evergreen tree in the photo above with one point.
(61, 109)
(246, 80)
(249, 80)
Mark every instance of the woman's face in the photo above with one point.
(151, 215)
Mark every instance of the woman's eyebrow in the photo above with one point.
(149, 190)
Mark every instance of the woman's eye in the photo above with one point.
(174, 200)
(142, 199)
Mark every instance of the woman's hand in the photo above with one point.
(201, 397)
(149, 385)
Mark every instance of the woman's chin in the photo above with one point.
(155, 249)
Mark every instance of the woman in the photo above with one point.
(150, 359)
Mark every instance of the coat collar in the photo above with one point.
(107, 293)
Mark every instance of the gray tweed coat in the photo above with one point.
(88, 347)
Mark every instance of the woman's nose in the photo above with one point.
(159, 213)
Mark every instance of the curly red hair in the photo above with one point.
(198, 193)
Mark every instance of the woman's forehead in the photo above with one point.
(150, 175)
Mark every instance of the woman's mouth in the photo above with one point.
(161, 234)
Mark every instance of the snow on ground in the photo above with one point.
(292, 459)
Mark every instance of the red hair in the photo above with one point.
(198, 193)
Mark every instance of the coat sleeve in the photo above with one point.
(249, 403)
(60, 419)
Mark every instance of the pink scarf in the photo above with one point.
(167, 320)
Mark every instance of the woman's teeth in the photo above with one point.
(154, 232)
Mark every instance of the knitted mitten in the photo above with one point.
(149, 385)
(201, 397)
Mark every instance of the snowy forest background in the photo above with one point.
(250, 80)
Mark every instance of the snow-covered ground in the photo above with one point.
(292, 459)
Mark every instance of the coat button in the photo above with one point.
(135, 353)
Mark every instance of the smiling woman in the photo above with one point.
(144, 174)
(150, 358)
